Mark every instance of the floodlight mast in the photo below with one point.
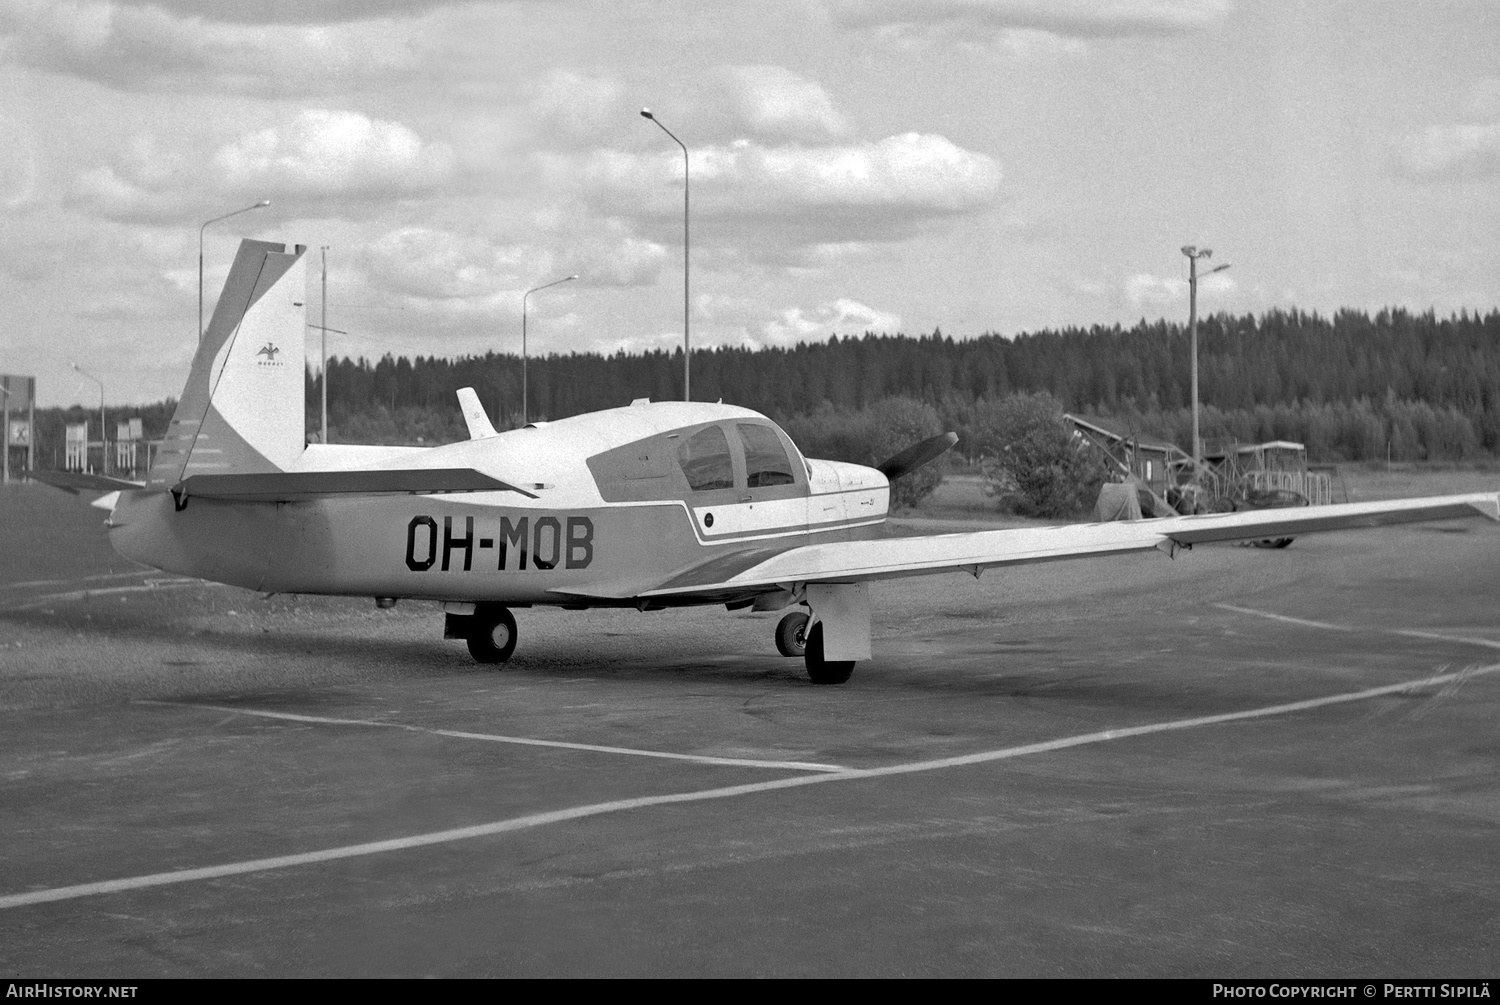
(103, 435)
(687, 354)
(5, 476)
(260, 205)
(323, 358)
(525, 401)
(1193, 253)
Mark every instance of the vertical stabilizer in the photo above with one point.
(242, 410)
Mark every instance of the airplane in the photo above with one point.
(649, 505)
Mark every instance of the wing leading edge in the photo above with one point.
(856, 561)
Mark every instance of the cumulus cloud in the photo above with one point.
(1483, 98)
(611, 259)
(18, 168)
(334, 153)
(833, 317)
(774, 102)
(431, 264)
(573, 105)
(1447, 153)
(1087, 19)
(320, 157)
(815, 194)
(148, 48)
(1144, 291)
(291, 11)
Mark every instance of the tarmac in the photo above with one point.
(1235, 763)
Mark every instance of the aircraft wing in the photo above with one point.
(291, 486)
(855, 561)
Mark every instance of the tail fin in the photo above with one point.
(243, 407)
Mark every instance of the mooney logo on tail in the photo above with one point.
(269, 351)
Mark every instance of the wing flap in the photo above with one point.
(77, 481)
(854, 561)
(295, 486)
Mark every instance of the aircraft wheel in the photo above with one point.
(791, 634)
(492, 636)
(823, 671)
(1275, 542)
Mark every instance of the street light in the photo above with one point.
(323, 358)
(103, 440)
(5, 476)
(260, 205)
(1194, 253)
(686, 344)
(525, 413)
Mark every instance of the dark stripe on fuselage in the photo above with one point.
(722, 568)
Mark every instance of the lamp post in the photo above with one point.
(323, 357)
(103, 434)
(686, 343)
(1194, 253)
(260, 205)
(525, 403)
(5, 476)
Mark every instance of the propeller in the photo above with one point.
(916, 455)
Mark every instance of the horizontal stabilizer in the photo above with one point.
(294, 486)
(479, 424)
(76, 481)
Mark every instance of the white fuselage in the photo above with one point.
(606, 508)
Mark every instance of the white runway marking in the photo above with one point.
(149, 586)
(33, 583)
(525, 741)
(1282, 617)
(702, 795)
(1487, 643)
(1409, 632)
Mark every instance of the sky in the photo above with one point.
(855, 165)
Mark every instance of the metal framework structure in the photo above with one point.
(1229, 477)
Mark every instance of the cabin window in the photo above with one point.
(765, 460)
(704, 457)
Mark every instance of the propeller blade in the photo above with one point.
(916, 455)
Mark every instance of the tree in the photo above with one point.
(1031, 459)
(871, 435)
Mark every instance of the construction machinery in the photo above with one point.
(1230, 476)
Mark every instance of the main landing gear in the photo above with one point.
(793, 638)
(490, 632)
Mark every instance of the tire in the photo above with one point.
(1275, 542)
(791, 634)
(822, 671)
(492, 635)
